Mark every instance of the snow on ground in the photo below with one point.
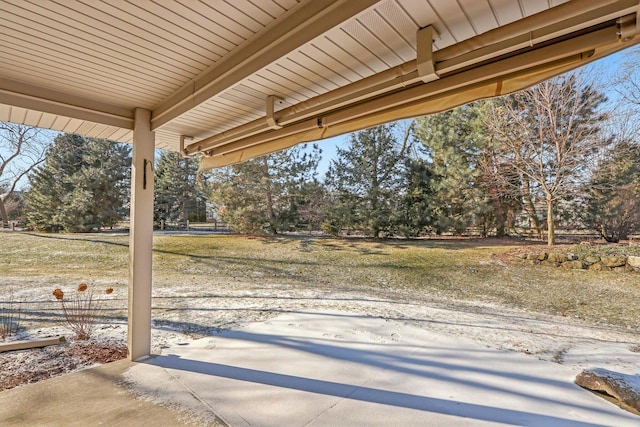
(343, 368)
(183, 315)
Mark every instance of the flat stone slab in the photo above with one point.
(23, 345)
(624, 388)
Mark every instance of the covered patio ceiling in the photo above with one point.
(236, 79)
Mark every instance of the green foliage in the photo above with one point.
(415, 211)
(453, 140)
(613, 206)
(269, 194)
(179, 196)
(366, 180)
(82, 186)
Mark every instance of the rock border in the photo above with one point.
(619, 263)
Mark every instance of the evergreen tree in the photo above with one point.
(415, 211)
(613, 206)
(453, 142)
(179, 195)
(366, 180)
(82, 185)
(266, 194)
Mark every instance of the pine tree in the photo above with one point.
(454, 143)
(613, 205)
(265, 195)
(415, 211)
(366, 180)
(82, 186)
(179, 195)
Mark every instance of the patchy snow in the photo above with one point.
(331, 367)
(188, 318)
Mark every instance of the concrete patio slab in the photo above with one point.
(91, 397)
(326, 369)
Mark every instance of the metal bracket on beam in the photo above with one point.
(183, 150)
(272, 100)
(424, 41)
(629, 26)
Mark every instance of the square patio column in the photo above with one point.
(141, 237)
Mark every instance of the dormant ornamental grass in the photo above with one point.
(81, 311)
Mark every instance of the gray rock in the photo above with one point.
(624, 388)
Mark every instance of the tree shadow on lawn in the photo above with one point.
(350, 244)
(430, 367)
(77, 239)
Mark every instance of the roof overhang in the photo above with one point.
(234, 81)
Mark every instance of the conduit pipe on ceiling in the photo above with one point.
(533, 30)
(566, 50)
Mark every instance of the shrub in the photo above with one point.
(10, 314)
(81, 312)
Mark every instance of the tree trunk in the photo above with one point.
(3, 213)
(531, 208)
(269, 197)
(498, 210)
(551, 237)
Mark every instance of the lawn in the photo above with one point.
(193, 272)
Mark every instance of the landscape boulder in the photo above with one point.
(614, 260)
(590, 260)
(634, 261)
(573, 265)
(553, 257)
(550, 263)
(598, 267)
(623, 387)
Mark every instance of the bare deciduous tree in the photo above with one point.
(628, 79)
(22, 148)
(550, 132)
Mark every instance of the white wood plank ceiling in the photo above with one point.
(204, 67)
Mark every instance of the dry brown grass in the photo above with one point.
(451, 271)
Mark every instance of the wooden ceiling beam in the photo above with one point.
(24, 95)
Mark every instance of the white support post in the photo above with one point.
(141, 237)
